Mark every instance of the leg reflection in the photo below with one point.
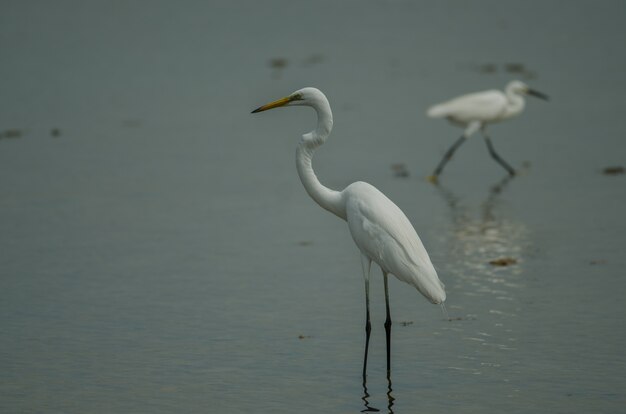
(366, 264)
(390, 398)
(366, 402)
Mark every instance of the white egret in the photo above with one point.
(379, 228)
(475, 111)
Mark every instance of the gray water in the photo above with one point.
(158, 253)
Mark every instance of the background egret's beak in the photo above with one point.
(537, 94)
(281, 102)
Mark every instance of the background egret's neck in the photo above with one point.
(516, 103)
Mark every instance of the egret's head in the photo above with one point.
(305, 96)
(521, 88)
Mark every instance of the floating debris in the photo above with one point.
(314, 59)
(504, 261)
(488, 68)
(519, 68)
(406, 323)
(613, 170)
(11, 133)
(55, 132)
(400, 170)
(304, 336)
(278, 63)
(512, 67)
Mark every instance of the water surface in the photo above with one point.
(160, 255)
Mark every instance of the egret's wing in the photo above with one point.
(385, 234)
(480, 106)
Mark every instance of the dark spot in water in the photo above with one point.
(488, 68)
(460, 318)
(55, 132)
(400, 170)
(304, 336)
(305, 243)
(519, 69)
(515, 68)
(504, 261)
(314, 59)
(278, 63)
(597, 262)
(613, 170)
(11, 133)
(406, 323)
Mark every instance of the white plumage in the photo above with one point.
(475, 111)
(487, 106)
(379, 228)
(385, 235)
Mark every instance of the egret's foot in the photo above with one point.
(432, 179)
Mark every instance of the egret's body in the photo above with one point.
(385, 235)
(475, 111)
(379, 228)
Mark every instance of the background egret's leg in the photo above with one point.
(495, 155)
(387, 324)
(472, 127)
(448, 155)
(366, 265)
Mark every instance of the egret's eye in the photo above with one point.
(296, 97)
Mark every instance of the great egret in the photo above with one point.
(379, 228)
(475, 111)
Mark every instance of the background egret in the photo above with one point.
(379, 228)
(475, 110)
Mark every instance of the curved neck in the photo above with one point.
(328, 199)
(515, 105)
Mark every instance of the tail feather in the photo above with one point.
(436, 111)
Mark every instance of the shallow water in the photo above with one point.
(160, 255)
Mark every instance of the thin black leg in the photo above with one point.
(366, 266)
(496, 157)
(368, 330)
(448, 155)
(387, 325)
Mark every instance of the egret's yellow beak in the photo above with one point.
(281, 102)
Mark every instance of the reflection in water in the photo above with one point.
(477, 241)
(494, 291)
(366, 395)
(390, 398)
(366, 402)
